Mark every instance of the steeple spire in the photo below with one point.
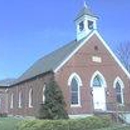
(85, 21)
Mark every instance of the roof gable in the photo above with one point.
(55, 60)
(6, 83)
(105, 45)
(49, 62)
(113, 55)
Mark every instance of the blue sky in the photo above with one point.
(29, 29)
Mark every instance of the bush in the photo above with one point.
(89, 123)
(3, 114)
(54, 106)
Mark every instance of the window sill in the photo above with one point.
(121, 105)
(76, 105)
(30, 106)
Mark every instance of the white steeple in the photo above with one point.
(85, 21)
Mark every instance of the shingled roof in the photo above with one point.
(85, 11)
(52, 61)
(49, 62)
(6, 83)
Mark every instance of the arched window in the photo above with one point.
(119, 86)
(74, 92)
(0, 103)
(20, 99)
(75, 83)
(43, 95)
(12, 101)
(30, 98)
(98, 80)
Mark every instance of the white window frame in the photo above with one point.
(79, 81)
(20, 100)
(100, 75)
(12, 101)
(30, 98)
(119, 80)
(43, 95)
(0, 103)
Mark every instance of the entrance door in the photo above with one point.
(99, 98)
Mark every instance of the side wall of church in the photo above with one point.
(36, 85)
(83, 64)
(3, 101)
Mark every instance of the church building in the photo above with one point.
(89, 74)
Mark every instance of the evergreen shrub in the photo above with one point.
(54, 107)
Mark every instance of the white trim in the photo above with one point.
(80, 116)
(113, 55)
(77, 77)
(104, 85)
(6, 90)
(30, 96)
(12, 101)
(104, 43)
(118, 79)
(77, 105)
(79, 81)
(70, 56)
(20, 100)
(0, 103)
(102, 77)
(43, 95)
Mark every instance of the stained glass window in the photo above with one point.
(74, 92)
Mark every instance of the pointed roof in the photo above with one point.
(6, 82)
(85, 11)
(55, 60)
(49, 62)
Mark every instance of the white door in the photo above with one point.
(99, 98)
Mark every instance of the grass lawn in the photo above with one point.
(117, 128)
(8, 123)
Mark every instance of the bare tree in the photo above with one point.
(123, 52)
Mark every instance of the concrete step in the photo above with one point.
(125, 117)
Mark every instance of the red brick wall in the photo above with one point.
(37, 86)
(82, 64)
(4, 101)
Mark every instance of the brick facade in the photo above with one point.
(82, 64)
(36, 85)
(3, 101)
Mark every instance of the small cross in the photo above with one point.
(85, 4)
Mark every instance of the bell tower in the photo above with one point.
(85, 22)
